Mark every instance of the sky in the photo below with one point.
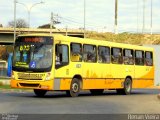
(99, 14)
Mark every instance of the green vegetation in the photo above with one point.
(5, 87)
(158, 84)
(1, 83)
(130, 38)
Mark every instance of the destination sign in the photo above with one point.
(34, 39)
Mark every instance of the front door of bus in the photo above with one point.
(62, 68)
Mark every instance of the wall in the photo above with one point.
(157, 62)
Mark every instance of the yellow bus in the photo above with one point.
(45, 62)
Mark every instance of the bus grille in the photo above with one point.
(29, 76)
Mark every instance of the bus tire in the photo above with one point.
(96, 91)
(127, 87)
(40, 93)
(74, 88)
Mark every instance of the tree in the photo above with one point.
(46, 26)
(1, 25)
(20, 23)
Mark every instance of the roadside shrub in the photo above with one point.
(1, 83)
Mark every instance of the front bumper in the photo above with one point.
(45, 85)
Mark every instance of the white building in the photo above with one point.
(156, 63)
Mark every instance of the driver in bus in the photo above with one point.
(45, 62)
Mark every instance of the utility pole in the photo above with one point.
(116, 15)
(54, 20)
(137, 15)
(151, 17)
(15, 20)
(143, 17)
(66, 30)
(51, 23)
(84, 18)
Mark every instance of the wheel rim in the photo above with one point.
(75, 87)
(128, 86)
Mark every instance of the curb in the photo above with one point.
(3, 90)
(15, 90)
(154, 87)
(4, 81)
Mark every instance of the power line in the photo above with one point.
(70, 20)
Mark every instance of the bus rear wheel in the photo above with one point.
(74, 88)
(127, 87)
(40, 93)
(96, 91)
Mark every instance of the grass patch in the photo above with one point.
(129, 38)
(8, 87)
(5, 87)
(158, 84)
(1, 83)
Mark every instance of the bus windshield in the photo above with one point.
(33, 54)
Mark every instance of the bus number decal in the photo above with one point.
(78, 65)
(24, 48)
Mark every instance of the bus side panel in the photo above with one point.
(102, 83)
(74, 69)
(117, 71)
(129, 71)
(140, 72)
(95, 74)
(144, 77)
(141, 83)
(122, 71)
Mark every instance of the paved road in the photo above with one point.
(140, 101)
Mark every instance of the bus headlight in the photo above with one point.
(48, 76)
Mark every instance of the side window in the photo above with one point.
(76, 52)
(148, 58)
(139, 57)
(103, 54)
(89, 53)
(62, 57)
(116, 56)
(128, 57)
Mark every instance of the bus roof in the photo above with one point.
(61, 37)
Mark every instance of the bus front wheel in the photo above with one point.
(40, 93)
(127, 87)
(74, 88)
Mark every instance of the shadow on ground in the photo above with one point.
(55, 94)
